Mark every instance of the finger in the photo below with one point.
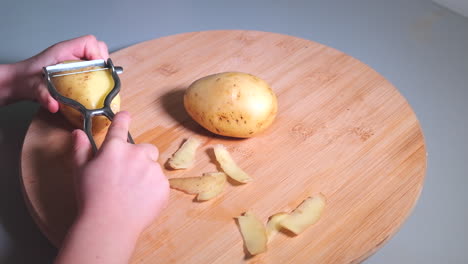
(150, 150)
(119, 127)
(103, 50)
(84, 47)
(81, 148)
(45, 99)
(42, 96)
(52, 104)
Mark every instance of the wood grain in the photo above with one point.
(342, 130)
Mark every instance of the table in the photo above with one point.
(420, 47)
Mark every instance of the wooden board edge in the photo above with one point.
(30, 207)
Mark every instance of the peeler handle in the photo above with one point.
(110, 115)
(115, 70)
(106, 110)
(88, 126)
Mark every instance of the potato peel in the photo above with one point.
(305, 215)
(273, 225)
(229, 166)
(206, 187)
(216, 188)
(253, 233)
(184, 157)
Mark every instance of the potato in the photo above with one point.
(184, 157)
(229, 166)
(90, 89)
(231, 104)
(206, 187)
(253, 232)
(273, 225)
(305, 215)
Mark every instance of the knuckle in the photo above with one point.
(115, 131)
(117, 125)
(140, 153)
(152, 149)
(114, 143)
(122, 116)
(158, 169)
(103, 44)
(148, 150)
(165, 182)
(90, 37)
(118, 122)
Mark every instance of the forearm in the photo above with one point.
(18, 81)
(95, 240)
(7, 79)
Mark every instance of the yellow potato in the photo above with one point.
(253, 232)
(305, 215)
(206, 187)
(184, 157)
(231, 104)
(90, 89)
(229, 166)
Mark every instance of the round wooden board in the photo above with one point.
(341, 130)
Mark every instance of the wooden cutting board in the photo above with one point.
(342, 130)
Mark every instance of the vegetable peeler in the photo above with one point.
(54, 71)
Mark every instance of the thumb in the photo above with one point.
(45, 99)
(81, 148)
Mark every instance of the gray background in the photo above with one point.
(422, 48)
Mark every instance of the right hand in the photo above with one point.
(123, 183)
(120, 191)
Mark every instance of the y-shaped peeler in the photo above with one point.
(57, 71)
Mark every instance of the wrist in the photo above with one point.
(112, 211)
(18, 81)
(7, 79)
(95, 239)
(25, 77)
(107, 225)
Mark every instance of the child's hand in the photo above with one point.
(24, 81)
(123, 182)
(120, 192)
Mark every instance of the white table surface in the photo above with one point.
(420, 47)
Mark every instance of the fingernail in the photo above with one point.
(74, 136)
(75, 133)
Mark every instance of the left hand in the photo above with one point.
(28, 83)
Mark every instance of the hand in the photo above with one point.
(124, 181)
(24, 81)
(119, 192)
